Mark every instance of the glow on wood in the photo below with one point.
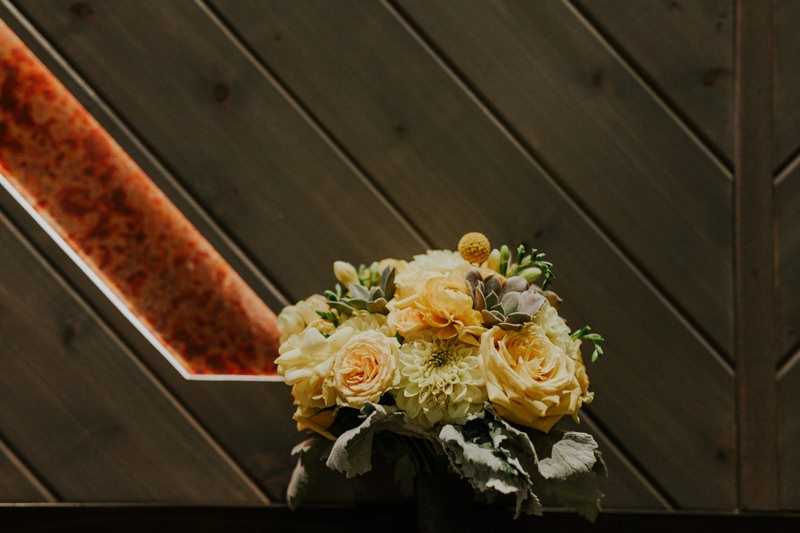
(124, 228)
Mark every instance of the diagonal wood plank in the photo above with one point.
(90, 419)
(787, 202)
(247, 155)
(625, 487)
(590, 120)
(686, 49)
(451, 168)
(17, 482)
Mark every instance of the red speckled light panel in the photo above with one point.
(71, 171)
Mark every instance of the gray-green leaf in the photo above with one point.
(352, 452)
(310, 454)
(573, 454)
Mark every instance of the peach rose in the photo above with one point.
(408, 321)
(531, 380)
(364, 369)
(446, 304)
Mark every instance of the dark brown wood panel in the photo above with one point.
(686, 48)
(620, 153)
(234, 140)
(17, 483)
(755, 251)
(787, 201)
(624, 488)
(451, 169)
(787, 81)
(789, 436)
(90, 420)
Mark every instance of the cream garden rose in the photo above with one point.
(364, 369)
(435, 263)
(531, 380)
(293, 319)
(305, 363)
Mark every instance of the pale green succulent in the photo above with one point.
(530, 264)
(371, 294)
(508, 306)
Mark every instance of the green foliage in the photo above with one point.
(584, 333)
(491, 454)
(529, 264)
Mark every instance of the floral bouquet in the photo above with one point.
(452, 362)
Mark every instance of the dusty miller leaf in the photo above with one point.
(573, 454)
(352, 452)
(310, 455)
(572, 472)
(492, 456)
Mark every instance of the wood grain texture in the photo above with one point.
(625, 487)
(89, 418)
(446, 163)
(17, 482)
(754, 250)
(233, 139)
(787, 200)
(787, 82)
(604, 136)
(686, 48)
(787, 204)
(788, 437)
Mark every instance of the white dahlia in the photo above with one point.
(440, 381)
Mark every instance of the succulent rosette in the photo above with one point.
(455, 361)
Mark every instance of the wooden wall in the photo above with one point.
(295, 133)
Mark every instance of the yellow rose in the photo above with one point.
(364, 369)
(446, 305)
(529, 379)
(315, 420)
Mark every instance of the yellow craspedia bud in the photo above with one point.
(474, 247)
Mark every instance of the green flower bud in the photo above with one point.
(530, 274)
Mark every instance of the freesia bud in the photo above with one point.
(494, 260)
(345, 273)
(531, 274)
